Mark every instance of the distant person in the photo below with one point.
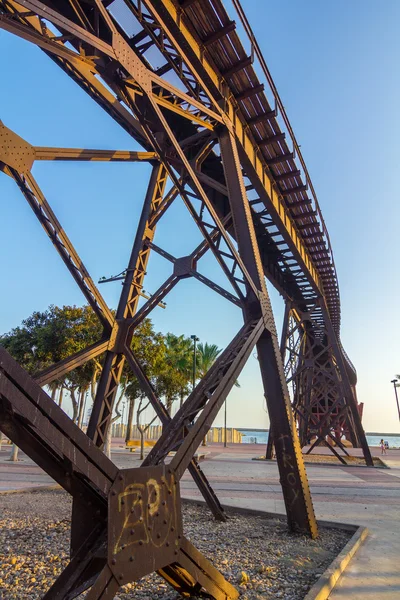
(383, 448)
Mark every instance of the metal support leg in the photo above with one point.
(288, 452)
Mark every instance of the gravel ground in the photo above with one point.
(257, 555)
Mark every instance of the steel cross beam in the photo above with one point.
(169, 33)
(178, 130)
(16, 154)
(136, 513)
(322, 397)
(17, 157)
(139, 95)
(130, 294)
(294, 481)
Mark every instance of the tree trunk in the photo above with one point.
(1, 439)
(81, 405)
(169, 405)
(60, 397)
(74, 405)
(141, 431)
(107, 445)
(53, 393)
(129, 428)
(14, 453)
(181, 402)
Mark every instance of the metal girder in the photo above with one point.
(296, 491)
(127, 306)
(84, 77)
(78, 154)
(119, 45)
(214, 37)
(251, 91)
(288, 175)
(262, 118)
(322, 397)
(71, 362)
(63, 245)
(158, 207)
(279, 137)
(178, 127)
(146, 499)
(277, 160)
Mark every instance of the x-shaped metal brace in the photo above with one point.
(137, 525)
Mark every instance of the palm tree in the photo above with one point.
(207, 355)
(178, 361)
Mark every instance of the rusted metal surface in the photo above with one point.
(217, 141)
(136, 513)
(323, 399)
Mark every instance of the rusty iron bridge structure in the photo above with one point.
(213, 127)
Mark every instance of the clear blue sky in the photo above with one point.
(336, 68)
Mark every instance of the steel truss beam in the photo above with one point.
(199, 141)
(117, 47)
(202, 83)
(146, 499)
(92, 560)
(13, 148)
(322, 396)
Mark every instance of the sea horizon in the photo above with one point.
(260, 436)
(267, 430)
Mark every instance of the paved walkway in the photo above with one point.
(369, 497)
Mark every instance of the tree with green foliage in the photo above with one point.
(48, 337)
(149, 349)
(142, 428)
(176, 372)
(207, 354)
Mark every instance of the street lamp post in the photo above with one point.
(122, 419)
(225, 426)
(195, 340)
(394, 381)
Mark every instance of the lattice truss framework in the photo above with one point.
(128, 523)
(144, 503)
(318, 391)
